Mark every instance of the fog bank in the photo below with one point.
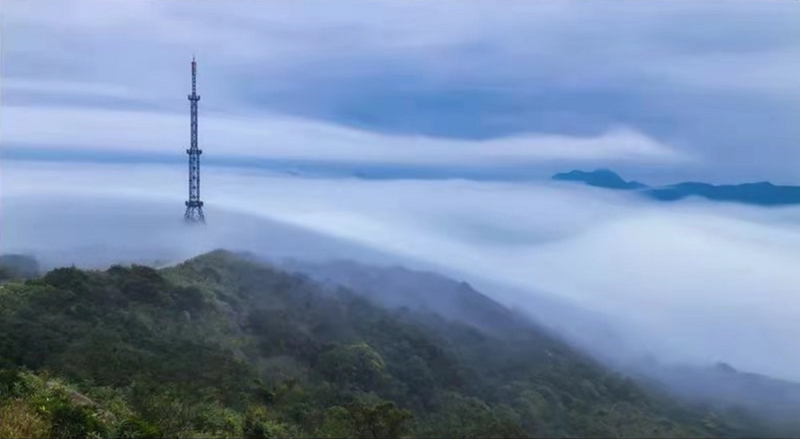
(694, 281)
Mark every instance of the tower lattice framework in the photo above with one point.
(194, 207)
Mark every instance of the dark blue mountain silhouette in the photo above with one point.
(600, 178)
(760, 193)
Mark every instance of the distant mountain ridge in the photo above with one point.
(600, 178)
(723, 386)
(760, 193)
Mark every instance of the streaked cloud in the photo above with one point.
(427, 73)
(281, 137)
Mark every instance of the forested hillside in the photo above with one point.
(222, 346)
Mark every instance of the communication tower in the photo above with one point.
(194, 207)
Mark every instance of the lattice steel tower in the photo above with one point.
(194, 207)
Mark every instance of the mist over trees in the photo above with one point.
(224, 346)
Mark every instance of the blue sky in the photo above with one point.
(666, 90)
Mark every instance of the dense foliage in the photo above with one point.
(224, 347)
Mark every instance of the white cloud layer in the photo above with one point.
(696, 281)
(281, 137)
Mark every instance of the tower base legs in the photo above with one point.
(194, 215)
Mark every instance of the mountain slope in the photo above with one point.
(773, 401)
(223, 346)
(399, 287)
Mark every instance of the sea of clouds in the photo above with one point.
(694, 281)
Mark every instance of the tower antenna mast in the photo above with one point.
(194, 207)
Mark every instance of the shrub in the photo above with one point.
(73, 421)
(18, 419)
